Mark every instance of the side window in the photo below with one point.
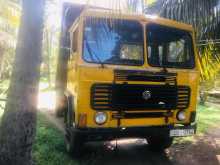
(176, 51)
(170, 47)
(75, 40)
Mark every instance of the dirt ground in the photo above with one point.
(203, 150)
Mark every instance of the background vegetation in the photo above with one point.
(49, 147)
(204, 16)
(10, 12)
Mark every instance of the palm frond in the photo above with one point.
(202, 14)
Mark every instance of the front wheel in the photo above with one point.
(159, 143)
(73, 143)
(73, 140)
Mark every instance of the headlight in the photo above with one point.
(100, 117)
(181, 115)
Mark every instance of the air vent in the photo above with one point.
(130, 75)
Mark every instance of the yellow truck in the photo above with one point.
(123, 75)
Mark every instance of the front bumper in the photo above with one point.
(137, 132)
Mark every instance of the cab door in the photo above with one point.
(71, 74)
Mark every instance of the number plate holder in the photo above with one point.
(180, 132)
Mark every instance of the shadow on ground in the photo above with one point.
(136, 152)
(127, 152)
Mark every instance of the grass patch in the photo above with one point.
(207, 116)
(49, 148)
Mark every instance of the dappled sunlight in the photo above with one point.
(46, 100)
(128, 141)
(111, 145)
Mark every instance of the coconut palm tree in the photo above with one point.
(204, 15)
(18, 124)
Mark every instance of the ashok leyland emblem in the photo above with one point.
(146, 95)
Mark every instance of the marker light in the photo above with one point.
(82, 120)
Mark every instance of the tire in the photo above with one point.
(160, 143)
(73, 141)
(68, 113)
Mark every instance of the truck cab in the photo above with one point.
(128, 76)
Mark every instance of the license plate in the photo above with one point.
(181, 132)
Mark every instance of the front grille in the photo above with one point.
(131, 75)
(101, 96)
(130, 97)
(125, 97)
(183, 97)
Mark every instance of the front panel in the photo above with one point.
(130, 102)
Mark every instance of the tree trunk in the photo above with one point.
(18, 126)
(48, 54)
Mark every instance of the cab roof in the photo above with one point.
(107, 13)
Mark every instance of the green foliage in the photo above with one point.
(133, 5)
(49, 148)
(50, 42)
(9, 23)
(209, 63)
(207, 117)
(149, 2)
(7, 63)
(10, 12)
(204, 15)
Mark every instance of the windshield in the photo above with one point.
(169, 47)
(113, 41)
